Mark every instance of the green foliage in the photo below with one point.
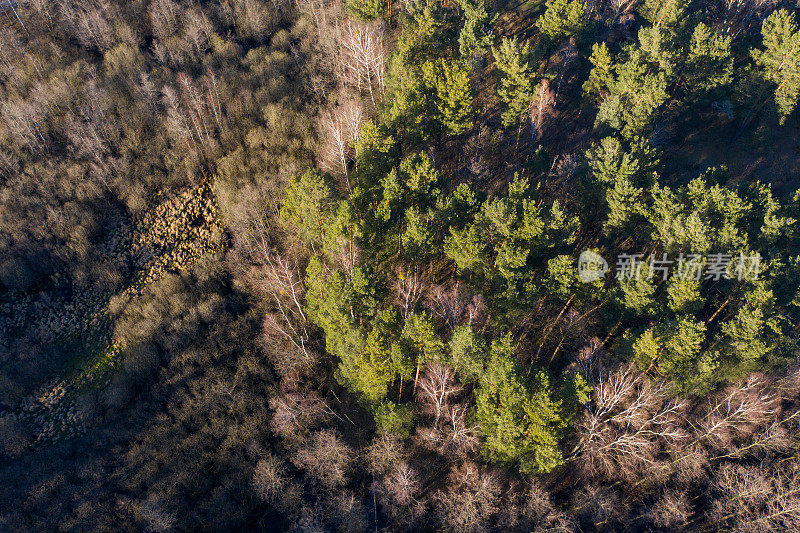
(563, 19)
(522, 420)
(423, 33)
(421, 340)
(683, 294)
(601, 77)
(513, 60)
(475, 37)
(366, 9)
(561, 276)
(751, 334)
(468, 352)
(699, 218)
(408, 203)
(510, 236)
(309, 205)
(467, 247)
(453, 94)
(675, 348)
(620, 177)
(393, 419)
(667, 13)
(637, 290)
(777, 61)
(710, 62)
(636, 93)
(356, 332)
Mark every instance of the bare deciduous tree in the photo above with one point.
(671, 511)
(89, 22)
(25, 122)
(195, 115)
(269, 478)
(541, 108)
(326, 458)
(294, 413)
(435, 388)
(363, 58)
(340, 129)
(402, 483)
(164, 18)
(625, 423)
(471, 498)
(409, 289)
(463, 436)
(737, 412)
(449, 304)
(754, 498)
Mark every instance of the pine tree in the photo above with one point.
(664, 13)
(779, 61)
(454, 96)
(751, 334)
(393, 419)
(522, 421)
(675, 348)
(475, 37)
(563, 19)
(419, 236)
(710, 62)
(468, 352)
(421, 342)
(413, 184)
(637, 92)
(468, 248)
(620, 178)
(683, 294)
(365, 9)
(601, 77)
(637, 291)
(561, 276)
(624, 201)
(513, 60)
(309, 204)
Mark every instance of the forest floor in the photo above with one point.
(768, 152)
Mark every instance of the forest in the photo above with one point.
(422, 265)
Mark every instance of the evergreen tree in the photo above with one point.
(637, 290)
(674, 347)
(468, 248)
(663, 13)
(468, 353)
(522, 421)
(393, 419)
(636, 93)
(414, 184)
(620, 178)
(453, 95)
(601, 77)
(563, 19)
(475, 37)
(309, 204)
(420, 343)
(683, 293)
(365, 9)
(513, 60)
(779, 61)
(710, 62)
(751, 334)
